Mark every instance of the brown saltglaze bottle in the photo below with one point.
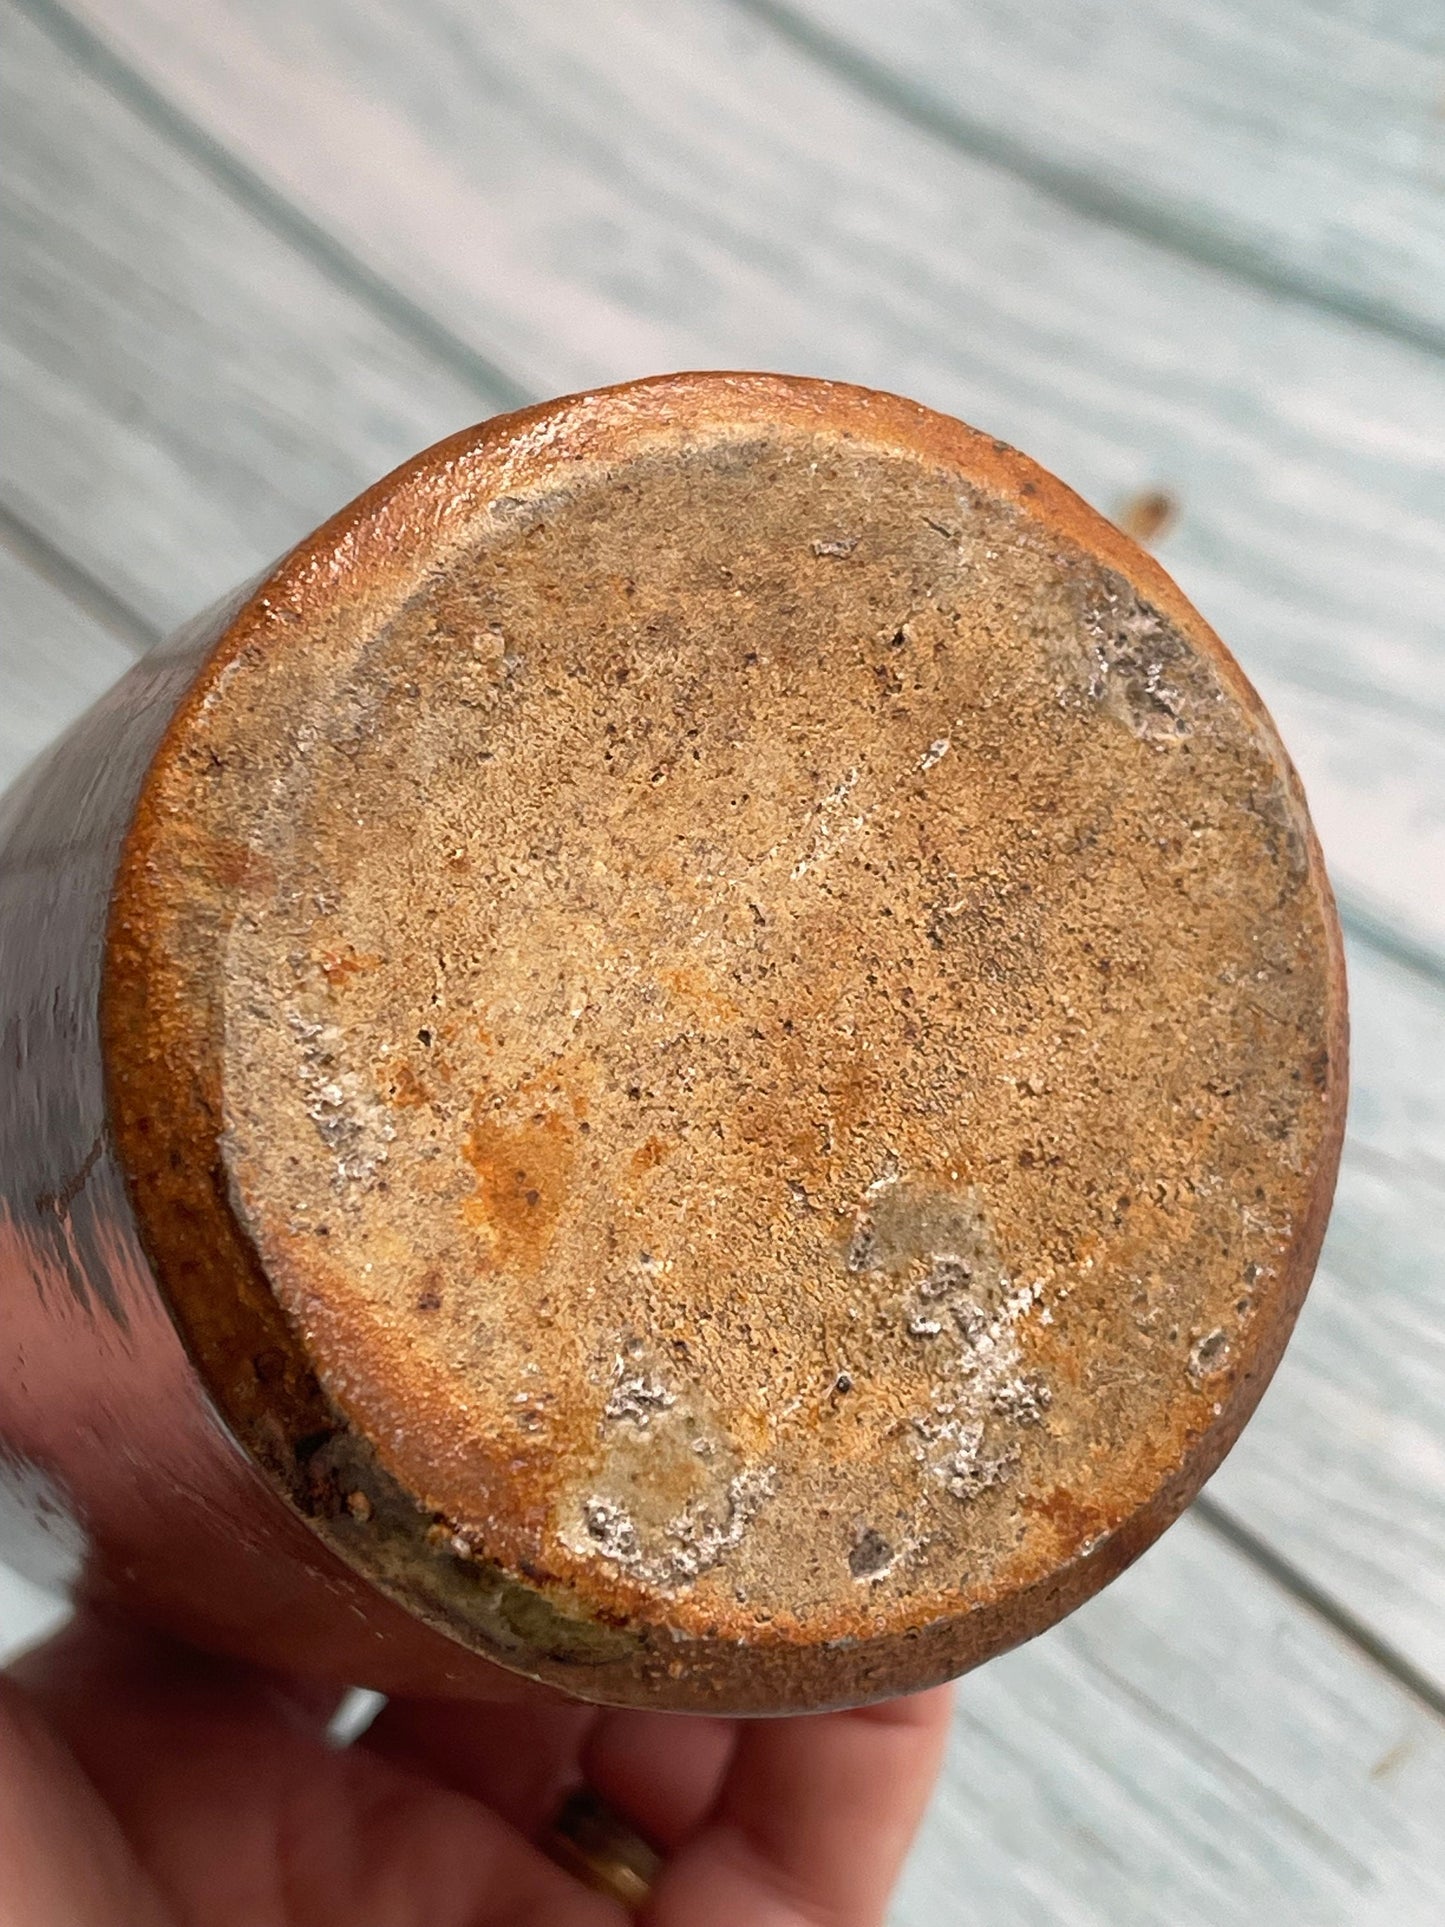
(699, 1056)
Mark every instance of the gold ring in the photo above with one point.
(598, 1847)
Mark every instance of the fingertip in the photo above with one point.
(813, 1819)
(663, 1771)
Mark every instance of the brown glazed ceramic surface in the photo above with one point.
(701, 1052)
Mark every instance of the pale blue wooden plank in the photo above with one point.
(1298, 143)
(1345, 748)
(1342, 1469)
(54, 661)
(1189, 1748)
(187, 393)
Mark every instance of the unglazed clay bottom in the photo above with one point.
(769, 1025)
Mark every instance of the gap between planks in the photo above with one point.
(1288, 1577)
(88, 594)
(287, 221)
(1079, 192)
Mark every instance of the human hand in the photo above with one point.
(145, 1785)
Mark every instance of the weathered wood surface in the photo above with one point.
(1374, 768)
(1298, 143)
(514, 202)
(187, 393)
(1186, 1750)
(1342, 1470)
(585, 192)
(54, 660)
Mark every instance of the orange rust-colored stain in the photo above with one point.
(782, 1139)
(1073, 1519)
(522, 1171)
(647, 1155)
(338, 967)
(235, 865)
(408, 1089)
(697, 988)
(851, 1095)
(1052, 1351)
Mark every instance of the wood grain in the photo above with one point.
(1300, 145)
(1189, 1748)
(1375, 780)
(54, 661)
(188, 395)
(1342, 1469)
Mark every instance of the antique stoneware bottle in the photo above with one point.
(697, 1056)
